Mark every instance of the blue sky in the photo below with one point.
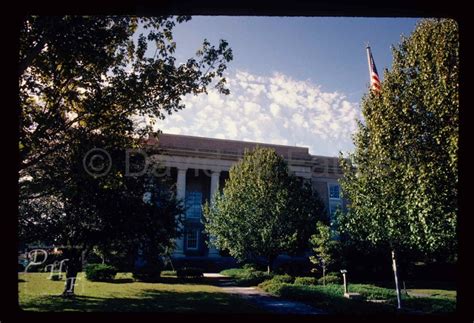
(293, 80)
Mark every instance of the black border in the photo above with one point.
(9, 310)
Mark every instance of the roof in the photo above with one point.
(225, 146)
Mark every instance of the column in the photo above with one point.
(213, 252)
(180, 194)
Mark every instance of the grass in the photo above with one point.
(330, 298)
(168, 273)
(235, 272)
(37, 293)
(433, 292)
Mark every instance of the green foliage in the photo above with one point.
(432, 305)
(190, 272)
(372, 292)
(247, 276)
(402, 178)
(306, 281)
(252, 278)
(271, 286)
(168, 273)
(329, 297)
(250, 266)
(235, 272)
(274, 284)
(38, 294)
(325, 247)
(100, 272)
(91, 73)
(283, 279)
(87, 82)
(263, 211)
(330, 278)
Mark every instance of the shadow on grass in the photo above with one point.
(333, 301)
(122, 281)
(148, 301)
(418, 284)
(431, 305)
(213, 281)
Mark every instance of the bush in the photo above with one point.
(250, 266)
(307, 281)
(283, 279)
(271, 286)
(100, 272)
(235, 272)
(331, 278)
(247, 277)
(147, 273)
(372, 292)
(168, 273)
(190, 272)
(253, 278)
(274, 284)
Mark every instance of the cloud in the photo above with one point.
(271, 109)
(275, 109)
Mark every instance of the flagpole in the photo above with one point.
(368, 61)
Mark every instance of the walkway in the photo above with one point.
(264, 300)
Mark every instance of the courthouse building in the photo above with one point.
(200, 166)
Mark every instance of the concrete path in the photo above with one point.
(264, 300)
(271, 303)
(213, 275)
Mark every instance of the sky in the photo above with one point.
(294, 81)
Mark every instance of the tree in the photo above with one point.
(325, 247)
(402, 178)
(95, 74)
(263, 211)
(106, 212)
(85, 82)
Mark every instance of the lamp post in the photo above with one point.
(343, 271)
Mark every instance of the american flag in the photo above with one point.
(374, 76)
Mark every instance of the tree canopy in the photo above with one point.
(263, 210)
(96, 74)
(325, 245)
(402, 178)
(84, 84)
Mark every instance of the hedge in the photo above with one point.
(307, 281)
(100, 272)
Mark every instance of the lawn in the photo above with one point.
(375, 300)
(37, 293)
(377, 297)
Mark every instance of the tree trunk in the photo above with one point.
(324, 275)
(395, 274)
(73, 267)
(271, 260)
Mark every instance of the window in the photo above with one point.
(334, 191)
(193, 205)
(192, 239)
